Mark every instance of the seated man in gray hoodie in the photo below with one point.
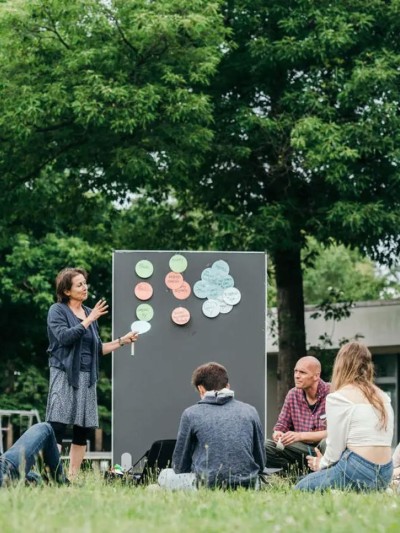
(220, 439)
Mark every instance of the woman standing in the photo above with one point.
(360, 428)
(74, 351)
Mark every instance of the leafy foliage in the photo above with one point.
(244, 124)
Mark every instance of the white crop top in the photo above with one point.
(354, 424)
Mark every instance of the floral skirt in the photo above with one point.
(71, 406)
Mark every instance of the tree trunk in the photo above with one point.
(291, 326)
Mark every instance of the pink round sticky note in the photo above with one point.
(143, 291)
(180, 316)
(182, 292)
(173, 280)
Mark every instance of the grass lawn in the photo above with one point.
(93, 506)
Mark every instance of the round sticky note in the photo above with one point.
(224, 307)
(178, 263)
(200, 289)
(221, 265)
(182, 292)
(140, 326)
(231, 296)
(144, 312)
(214, 291)
(209, 275)
(180, 316)
(210, 308)
(143, 291)
(227, 282)
(173, 280)
(144, 268)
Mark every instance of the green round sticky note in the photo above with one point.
(144, 268)
(178, 263)
(144, 312)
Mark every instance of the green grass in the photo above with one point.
(93, 506)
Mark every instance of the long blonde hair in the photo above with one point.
(353, 366)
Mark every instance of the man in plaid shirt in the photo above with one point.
(301, 425)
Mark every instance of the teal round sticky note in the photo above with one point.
(214, 291)
(210, 276)
(200, 289)
(144, 268)
(144, 312)
(227, 282)
(178, 263)
(221, 266)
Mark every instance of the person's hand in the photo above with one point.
(100, 309)
(130, 337)
(276, 435)
(314, 462)
(290, 437)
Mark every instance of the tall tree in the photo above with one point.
(300, 125)
(97, 101)
(306, 133)
(109, 92)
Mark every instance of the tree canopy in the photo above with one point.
(240, 124)
(306, 129)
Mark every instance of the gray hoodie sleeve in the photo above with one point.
(182, 457)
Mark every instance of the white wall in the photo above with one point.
(377, 321)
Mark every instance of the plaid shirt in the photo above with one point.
(296, 415)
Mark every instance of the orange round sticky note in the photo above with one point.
(182, 292)
(143, 291)
(173, 280)
(180, 316)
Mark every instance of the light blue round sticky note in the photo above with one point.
(227, 282)
(140, 326)
(178, 263)
(210, 308)
(214, 291)
(144, 268)
(200, 289)
(144, 312)
(224, 308)
(231, 296)
(221, 266)
(209, 276)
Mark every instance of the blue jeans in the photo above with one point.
(39, 437)
(352, 472)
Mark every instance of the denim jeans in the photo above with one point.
(23, 453)
(351, 472)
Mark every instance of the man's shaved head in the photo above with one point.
(307, 373)
(312, 362)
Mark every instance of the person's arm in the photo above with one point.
(284, 422)
(396, 474)
(258, 443)
(128, 338)
(291, 437)
(182, 456)
(338, 416)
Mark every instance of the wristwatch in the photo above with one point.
(121, 342)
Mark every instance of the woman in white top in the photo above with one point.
(360, 428)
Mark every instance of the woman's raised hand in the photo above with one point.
(100, 309)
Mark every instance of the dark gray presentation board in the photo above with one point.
(152, 387)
